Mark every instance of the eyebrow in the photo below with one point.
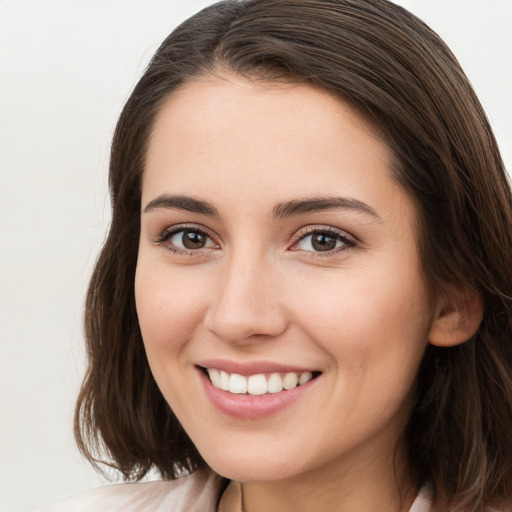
(283, 210)
(316, 204)
(182, 203)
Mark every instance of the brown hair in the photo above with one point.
(397, 71)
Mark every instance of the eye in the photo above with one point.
(323, 240)
(186, 239)
(189, 239)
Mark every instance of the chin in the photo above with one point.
(257, 464)
(253, 471)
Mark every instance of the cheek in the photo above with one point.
(169, 309)
(367, 318)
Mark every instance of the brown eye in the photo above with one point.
(323, 242)
(193, 240)
(189, 240)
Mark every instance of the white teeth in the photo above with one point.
(275, 383)
(290, 381)
(224, 381)
(257, 384)
(237, 384)
(214, 377)
(305, 377)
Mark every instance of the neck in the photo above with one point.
(368, 485)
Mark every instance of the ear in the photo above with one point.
(457, 318)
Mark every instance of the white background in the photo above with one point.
(66, 68)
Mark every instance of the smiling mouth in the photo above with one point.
(260, 383)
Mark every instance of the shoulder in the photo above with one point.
(197, 492)
(425, 502)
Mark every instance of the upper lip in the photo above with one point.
(253, 367)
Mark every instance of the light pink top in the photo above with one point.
(198, 492)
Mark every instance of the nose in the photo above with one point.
(247, 304)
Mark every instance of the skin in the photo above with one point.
(259, 291)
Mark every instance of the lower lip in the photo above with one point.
(252, 407)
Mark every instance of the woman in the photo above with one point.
(304, 301)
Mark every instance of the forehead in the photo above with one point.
(257, 140)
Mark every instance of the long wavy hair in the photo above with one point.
(400, 74)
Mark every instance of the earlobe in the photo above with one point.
(457, 319)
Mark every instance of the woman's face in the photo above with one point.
(275, 247)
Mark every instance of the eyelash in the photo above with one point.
(347, 241)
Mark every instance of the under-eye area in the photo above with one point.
(260, 383)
